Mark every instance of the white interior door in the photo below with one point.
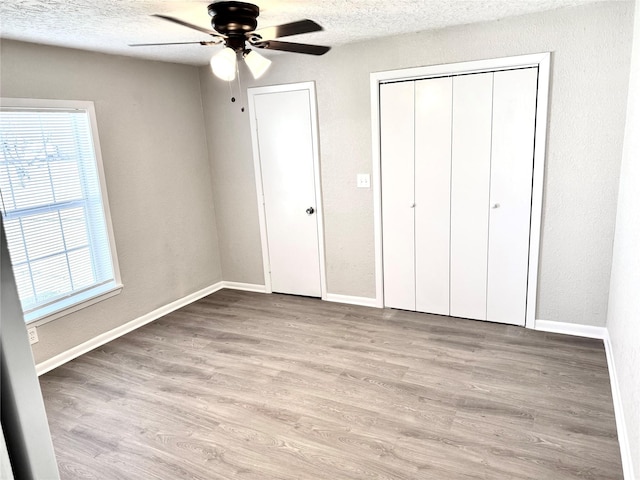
(514, 113)
(284, 139)
(397, 164)
(433, 99)
(470, 172)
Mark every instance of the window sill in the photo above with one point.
(65, 307)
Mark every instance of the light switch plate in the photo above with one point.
(364, 180)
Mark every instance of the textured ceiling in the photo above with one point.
(110, 25)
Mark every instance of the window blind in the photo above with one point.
(52, 208)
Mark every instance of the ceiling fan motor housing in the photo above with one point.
(235, 20)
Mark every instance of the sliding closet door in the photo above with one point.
(514, 112)
(470, 172)
(432, 193)
(397, 164)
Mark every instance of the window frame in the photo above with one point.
(96, 293)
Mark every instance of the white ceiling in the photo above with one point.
(110, 25)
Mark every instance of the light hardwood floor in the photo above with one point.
(253, 386)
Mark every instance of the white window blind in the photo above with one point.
(55, 219)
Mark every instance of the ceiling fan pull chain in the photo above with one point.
(240, 87)
(233, 99)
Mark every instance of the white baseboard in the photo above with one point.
(571, 329)
(603, 334)
(106, 337)
(542, 325)
(621, 426)
(362, 301)
(331, 297)
(247, 287)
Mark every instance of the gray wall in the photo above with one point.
(154, 145)
(623, 321)
(590, 67)
(154, 150)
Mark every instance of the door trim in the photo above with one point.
(292, 87)
(540, 60)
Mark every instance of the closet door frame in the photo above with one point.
(542, 62)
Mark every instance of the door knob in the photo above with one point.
(310, 211)
(495, 205)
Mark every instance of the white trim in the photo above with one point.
(112, 292)
(376, 177)
(89, 107)
(257, 169)
(315, 135)
(621, 426)
(475, 66)
(540, 60)
(362, 301)
(538, 187)
(247, 287)
(291, 87)
(103, 191)
(578, 330)
(541, 325)
(117, 332)
(601, 333)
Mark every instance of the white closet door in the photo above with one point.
(397, 152)
(470, 172)
(432, 193)
(514, 112)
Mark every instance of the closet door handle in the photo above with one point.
(413, 205)
(495, 205)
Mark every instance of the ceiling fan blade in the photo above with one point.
(208, 31)
(294, 47)
(172, 43)
(287, 29)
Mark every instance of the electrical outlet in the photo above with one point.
(363, 180)
(33, 335)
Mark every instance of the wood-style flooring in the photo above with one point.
(250, 386)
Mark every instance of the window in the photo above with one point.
(54, 206)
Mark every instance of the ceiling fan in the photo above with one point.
(234, 25)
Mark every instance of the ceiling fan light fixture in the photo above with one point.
(257, 63)
(234, 24)
(223, 64)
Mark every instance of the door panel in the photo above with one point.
(432, 193)
(514, 110)
(470, 171)
(397, 152)
(285, 145)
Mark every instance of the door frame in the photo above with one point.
(540, 60)
(252, 93)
